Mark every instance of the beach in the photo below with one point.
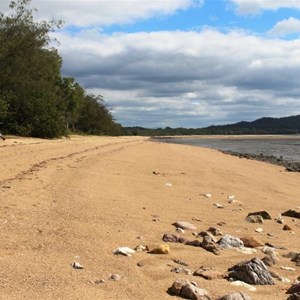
(79, 198)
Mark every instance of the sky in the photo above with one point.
(182, 63)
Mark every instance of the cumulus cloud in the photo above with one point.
(193, 79)
(105, 12)
(255, 6)
(286, 27)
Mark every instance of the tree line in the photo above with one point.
(35, 99)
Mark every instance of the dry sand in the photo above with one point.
(78, 199)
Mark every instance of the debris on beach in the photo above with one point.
(253, 271)
(126, 251)
(188, 290)
(184, 225)
(161, 249)
(77, 265)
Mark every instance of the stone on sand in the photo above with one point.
(185, 225)
(161, 249)
(235, 296)
(229, 241)
(265, 215)
(251, 242)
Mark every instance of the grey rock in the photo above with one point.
(296, 259)
(180, 262)
(235, 296)
(253, 271)
(177, 286)
(270, 260)
(255, 219)
(265, 215)
(229, 241)
(192, 292)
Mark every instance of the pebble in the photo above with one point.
(207, 195)
(114, 277)
(180, 230)
(77, 265)
(168, 184)
(259, 230)
(288, 268)
(126, 251)
(140, 264)
(184, 225)
(180, 262)
(286, 227)
(218, 205)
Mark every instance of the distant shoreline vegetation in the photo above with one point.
(35, 99)
(263, 126)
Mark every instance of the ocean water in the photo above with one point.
(288, 148)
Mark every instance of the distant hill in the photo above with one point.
(286, 125)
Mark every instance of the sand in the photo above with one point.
(78, 199)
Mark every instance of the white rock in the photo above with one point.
(126, 251)
(168, 184)
(259, 230)
(218, 205)
(243, 284)
(207, 195)
(77, 265)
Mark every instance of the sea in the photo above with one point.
(286, 147)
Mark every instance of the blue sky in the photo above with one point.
(182, 63)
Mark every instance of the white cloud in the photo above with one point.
(186, 78)
(286, 27)
(255, 6)
(105, 12)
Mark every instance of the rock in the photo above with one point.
(161, 249)
(295, 288)
(215, 231)
(207, 233)
(218, 205)
(141, 248)
(180, 262)
(296, 259)
(208, 274)
(286, 227)
(291, 255)
(173, 238)
(209, 245)
(99, 281)
(180, 230)
(194, 243)
(259, 230)
(265, 215)
(126, 251)
(279, 219)
(291, 213)
(140, 264)
(269, 260)
(192, 292)
(229, 241)
(295, 296)
(185, 225)
(77, 265)
(253, 271)
(181, 270)
(114, 277)
(235, 296)
(177, 285)
(254, 219)
(251, 242)
(243, 284)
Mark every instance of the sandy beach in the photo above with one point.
(78, 199)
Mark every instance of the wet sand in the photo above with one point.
(78, 199)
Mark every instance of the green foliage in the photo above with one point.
(34, 98)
